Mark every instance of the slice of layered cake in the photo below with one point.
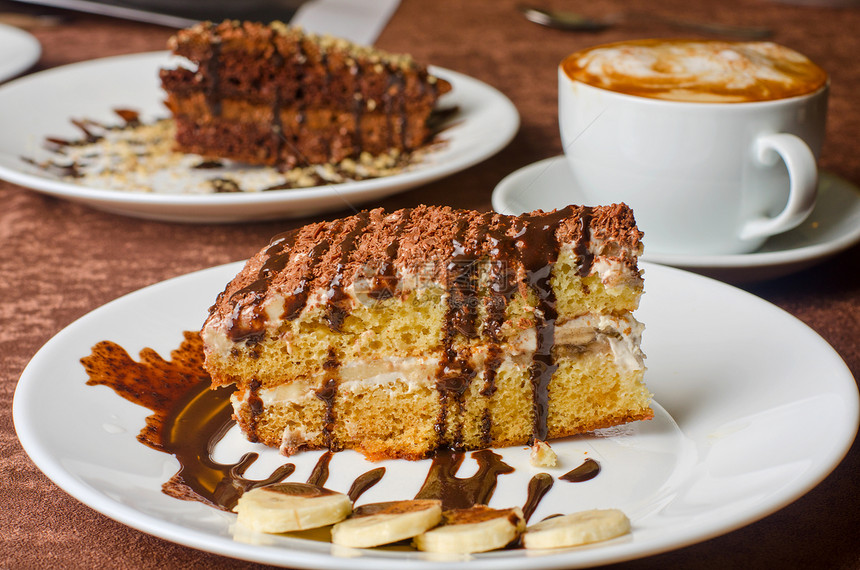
(401, 333)
(274, 95)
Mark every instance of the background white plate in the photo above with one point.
(19, 50)
(42, 104)
(731, 373)
(833, 226)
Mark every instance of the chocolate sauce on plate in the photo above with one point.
(189, 419)
(585, 472)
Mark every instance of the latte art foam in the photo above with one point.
(691, 70)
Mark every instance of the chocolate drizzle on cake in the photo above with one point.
(255, 407)
(328, 394)
(337, 301)
(279, 139)
(395, 108)
(539, 248)
(583, 249)
(488, 258)
(277, 257)
(455, 371)
(299, 298)
(502, 286)
(358, 104)
(384, 282)
(213, 89)
(287, 140)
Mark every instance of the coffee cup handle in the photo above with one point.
(803, 183)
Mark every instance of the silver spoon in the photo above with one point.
(564, 20)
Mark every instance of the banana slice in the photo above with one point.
(579, 528)
(285, 507)
(477, 529)
(384, 523)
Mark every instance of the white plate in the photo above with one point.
(42, 104)
(18, 51)
(724, 449)
(833, 226)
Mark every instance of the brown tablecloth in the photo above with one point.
(60, 260)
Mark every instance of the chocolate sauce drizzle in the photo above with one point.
(278, 137)
(384, 282)
(255, 406)
(319, 475)
(283, 138)
(213, 89)
(189, 419)
(455, 371)
(395, 107)
(358, 104)
(531, 243)
(328, 394)
(277, 257)
(538, 248)
(585, 472)
(443, 484)
(130, 118)
(364, 482)
(502, 286)
(539, 485)
(338, 302)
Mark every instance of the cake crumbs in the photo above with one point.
(542, 455)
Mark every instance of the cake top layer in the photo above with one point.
(385, 253)
(196, 43)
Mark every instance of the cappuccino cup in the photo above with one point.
(713, 144)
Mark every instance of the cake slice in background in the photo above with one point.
(401, 333)
(274, 95)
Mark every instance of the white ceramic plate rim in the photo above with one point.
(488, 121)
(504, 201)
(19, 49)
(796, 354)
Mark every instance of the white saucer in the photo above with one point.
(18, 51)
(833, 226)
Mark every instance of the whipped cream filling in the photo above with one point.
(412, 373)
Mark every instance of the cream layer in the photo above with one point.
(618, 335)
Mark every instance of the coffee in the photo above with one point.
(717, 176)
(697, 70)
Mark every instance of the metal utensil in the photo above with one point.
(571, 21)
